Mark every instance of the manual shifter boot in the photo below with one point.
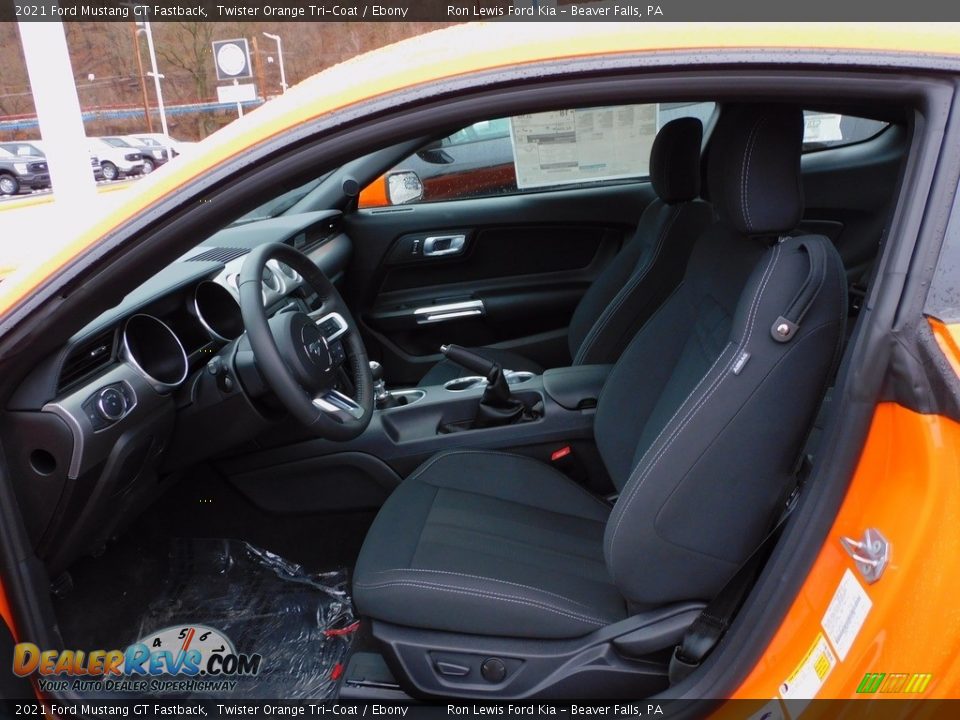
(497, 406)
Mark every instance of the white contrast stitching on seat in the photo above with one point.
(481, 593)
(570, 483)
(630, 345)
(481, 577)
(624, 293)
(751, 317)
(751, 143)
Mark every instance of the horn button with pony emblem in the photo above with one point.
(312, 354)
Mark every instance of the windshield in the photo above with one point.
(280, 204)
(117, 142)
(6, 153)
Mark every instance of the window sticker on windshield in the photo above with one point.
(563, 147)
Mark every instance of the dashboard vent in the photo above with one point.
(219, 255)
(86, 359)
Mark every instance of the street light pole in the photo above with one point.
(142, 78)
(155, 74)
(283, 74)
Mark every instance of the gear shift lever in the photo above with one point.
(381, 395)
(498, 406)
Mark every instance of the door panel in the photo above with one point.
(524, 264)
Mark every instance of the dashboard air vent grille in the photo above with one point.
(219, 255)
(87, 358)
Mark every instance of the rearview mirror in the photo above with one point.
(404, 187)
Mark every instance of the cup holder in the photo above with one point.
(408, 397)
(515, 377)
(464, 383)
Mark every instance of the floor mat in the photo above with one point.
(232, 597)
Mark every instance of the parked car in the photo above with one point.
(35, 147)
(176, 147)
(22, 172)
(118, 158)
(728, 468)
(154, 154)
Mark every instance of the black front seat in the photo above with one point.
(699, 424)
(644, 272)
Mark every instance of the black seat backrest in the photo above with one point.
(651, 263)
(702, 419)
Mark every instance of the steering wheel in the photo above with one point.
(299, 356)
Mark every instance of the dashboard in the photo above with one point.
(97, 427)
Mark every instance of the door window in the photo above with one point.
(532, 153)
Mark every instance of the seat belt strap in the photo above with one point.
(786, 326)
(705, 632)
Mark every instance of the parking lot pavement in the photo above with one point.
(21, 196)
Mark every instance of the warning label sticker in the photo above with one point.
(846, 613)
(574, 146)
(805, 682)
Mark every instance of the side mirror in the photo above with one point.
(404, 187)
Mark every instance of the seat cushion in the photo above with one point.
(445, 370)
(488, 543)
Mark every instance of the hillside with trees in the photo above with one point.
(104, 58)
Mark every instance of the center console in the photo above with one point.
(558, 408)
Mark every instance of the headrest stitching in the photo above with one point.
(744, 169)
(746, 195)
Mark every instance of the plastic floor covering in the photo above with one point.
(228, 597)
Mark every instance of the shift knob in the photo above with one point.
(376, 369)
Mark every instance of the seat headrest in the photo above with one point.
(753, 169)
(675, 160)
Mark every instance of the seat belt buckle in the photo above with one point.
(679, 668)
(566, 461)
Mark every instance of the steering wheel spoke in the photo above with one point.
(339, 406)
(332, 325)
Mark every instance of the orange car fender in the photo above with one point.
(907, 486)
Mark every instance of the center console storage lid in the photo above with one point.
(576, 387)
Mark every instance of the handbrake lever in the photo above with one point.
(468, 359)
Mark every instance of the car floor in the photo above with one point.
(203, 554)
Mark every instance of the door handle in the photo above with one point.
(437, 245)
(449, 311)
